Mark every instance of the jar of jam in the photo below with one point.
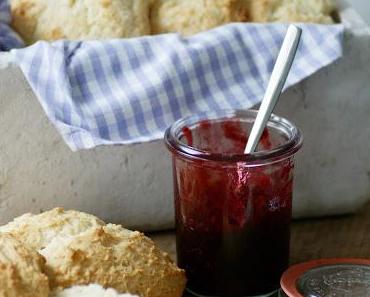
(233, 210)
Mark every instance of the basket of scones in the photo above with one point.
(100, 19)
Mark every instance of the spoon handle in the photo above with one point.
(277, 80)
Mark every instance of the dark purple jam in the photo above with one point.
(233, 222)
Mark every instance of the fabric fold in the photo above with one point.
(130, 90)
(8, 38)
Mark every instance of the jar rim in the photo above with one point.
(287, 149)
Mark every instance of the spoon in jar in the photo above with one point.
(274, 88)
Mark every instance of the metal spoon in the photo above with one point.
(277, 80)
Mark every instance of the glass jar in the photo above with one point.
(233, 210)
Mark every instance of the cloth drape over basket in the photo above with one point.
(128, 91)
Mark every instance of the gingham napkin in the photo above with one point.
(130, 90)
(8, 38)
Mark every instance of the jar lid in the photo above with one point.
(328, 278)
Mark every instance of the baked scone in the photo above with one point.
(192, 16)
(79, 19)
(21, 270)
(37, 231)
(113, 257)
(287, 11)
(89, 291)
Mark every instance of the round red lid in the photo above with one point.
(324, 275)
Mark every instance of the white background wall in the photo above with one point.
(363, 7)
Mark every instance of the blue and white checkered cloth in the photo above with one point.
(8, 38)
(130, 90)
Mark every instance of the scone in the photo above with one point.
(21, 270)
(79, 19)
(37, 231)
(89, 291)
(193, 16)
(286, 11)
(113, 257)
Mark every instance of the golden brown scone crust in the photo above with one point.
(21, 270)
(114, 258)
(192, 16)
(37, 231)
(287, 11)
(79, 19)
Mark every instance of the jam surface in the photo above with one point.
(232, 220)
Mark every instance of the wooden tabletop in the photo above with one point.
(343, 236)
